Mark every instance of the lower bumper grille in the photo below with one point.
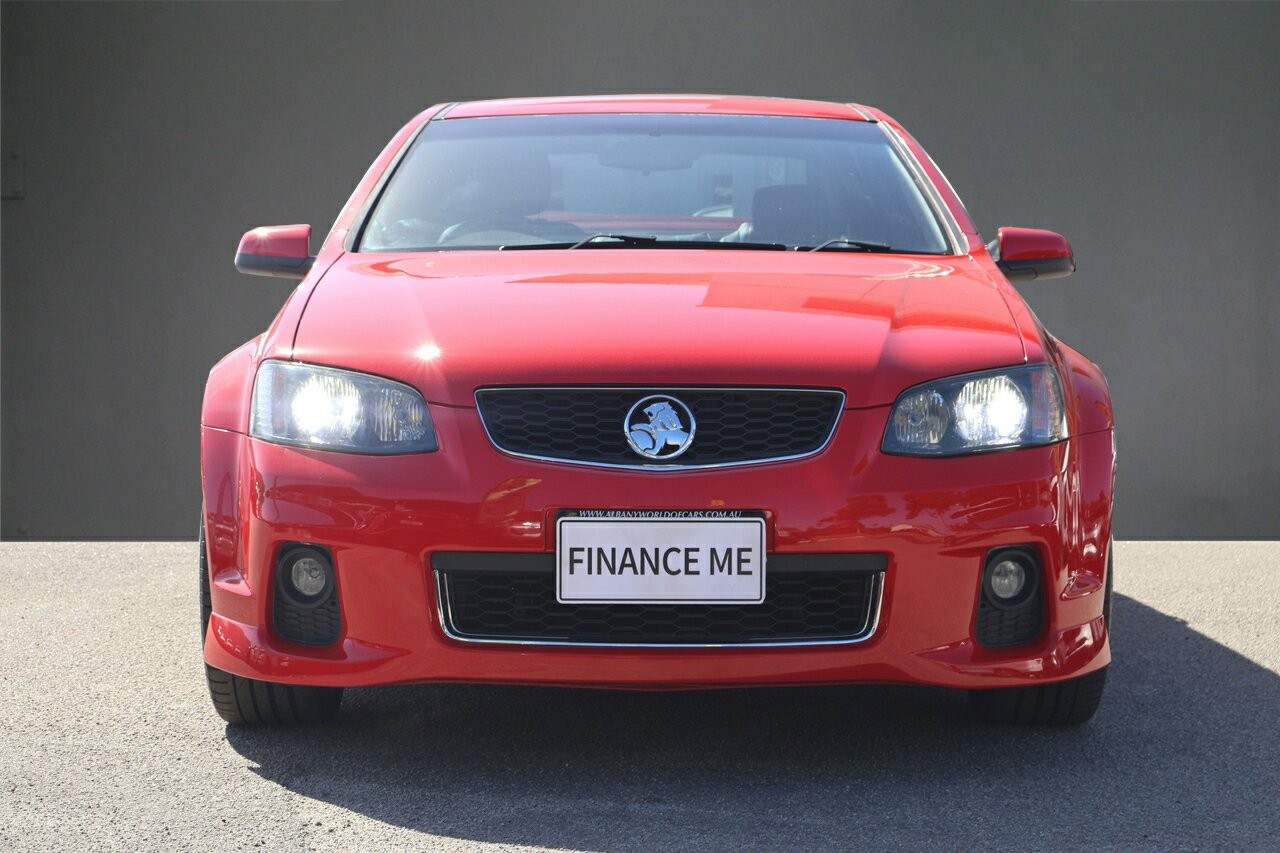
(809, 599)
(997, 628)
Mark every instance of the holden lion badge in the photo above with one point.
(656, 427)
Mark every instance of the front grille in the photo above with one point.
(586, 425)
(808, 599)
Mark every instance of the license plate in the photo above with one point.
(668, 560)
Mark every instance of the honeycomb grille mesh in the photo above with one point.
(822, 606)
(317, 626)
(586, 425)
(997, 628)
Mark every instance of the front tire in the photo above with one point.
(1065, 703)
(250, 702)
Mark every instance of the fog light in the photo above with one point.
(310, 578)
(1007, 579)
(306, 576)
(1010, 578)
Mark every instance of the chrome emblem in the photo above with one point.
(655, 429)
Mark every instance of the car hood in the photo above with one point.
(451, 322)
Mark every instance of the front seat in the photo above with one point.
(507, 197)
(795, 214)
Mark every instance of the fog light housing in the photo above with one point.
(306, 576)
(306, 608)
(1009, 579)
(1011, 610)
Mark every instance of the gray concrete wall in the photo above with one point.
(150, 136)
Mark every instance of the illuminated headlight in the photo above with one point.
(324, 407)
(1012, 407)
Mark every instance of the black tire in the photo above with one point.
(1106, 601)
(249, 702)
(1066, 703)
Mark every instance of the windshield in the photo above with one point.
(668, 181)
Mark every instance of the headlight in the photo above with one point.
(324, 407)
(1011, 407)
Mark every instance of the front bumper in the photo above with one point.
(384, 517)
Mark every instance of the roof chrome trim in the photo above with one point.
(869, 629)
(659, 389)
(444, 111)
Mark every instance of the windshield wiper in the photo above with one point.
(628, 240)
(844, 243)
(633, 241)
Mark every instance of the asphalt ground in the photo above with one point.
(109, 740)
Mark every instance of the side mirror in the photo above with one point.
(283, 251)
(1029, 254)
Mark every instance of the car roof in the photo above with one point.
(708, 104)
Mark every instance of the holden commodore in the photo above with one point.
(665, 392)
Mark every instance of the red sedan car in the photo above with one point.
(658, 393)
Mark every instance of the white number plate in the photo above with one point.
(671, 560)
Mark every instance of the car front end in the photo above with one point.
(624, 463)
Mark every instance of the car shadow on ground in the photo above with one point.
(1184, 752)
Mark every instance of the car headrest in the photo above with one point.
(795, 214)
